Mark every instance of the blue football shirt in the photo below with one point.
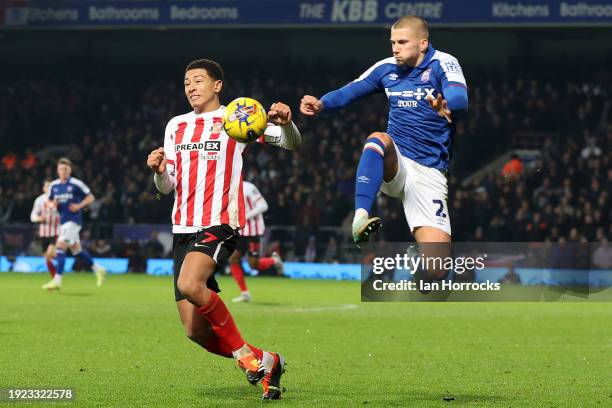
(65, 193)
(418, 131)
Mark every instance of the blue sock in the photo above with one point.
(369, 174)
(85, 257)
(60, 257)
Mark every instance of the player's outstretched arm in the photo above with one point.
(367, 84)
(158, 163)
(285, 134)
(310, 105)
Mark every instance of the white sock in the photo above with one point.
(267, 361)
(58, 279)
(360, 213)
(96, 267)
(241, 352)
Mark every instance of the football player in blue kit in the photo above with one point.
(70, 195)
(426, 91)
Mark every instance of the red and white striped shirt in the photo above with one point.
(206, 166)
(205, 169)
(255, 205)
(49, 227)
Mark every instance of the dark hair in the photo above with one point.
(213, 68)
(64, 160)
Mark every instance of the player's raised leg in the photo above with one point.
(197, 268)
(378, 163)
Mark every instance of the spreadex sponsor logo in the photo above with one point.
(208, 145)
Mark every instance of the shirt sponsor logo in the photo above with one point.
(208, 145)
(62, 198)
(416, 95)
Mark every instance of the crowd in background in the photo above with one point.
(107, 130)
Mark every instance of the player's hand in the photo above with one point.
(279, 114)
(157, 161)
(310, 106)
(74, 207)
(440, 105)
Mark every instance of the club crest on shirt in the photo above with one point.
(216, 127)
(426, 75)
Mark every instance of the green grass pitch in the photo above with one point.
(122, 345)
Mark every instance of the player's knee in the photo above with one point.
(188, 287)
(383, 137)
(437, 274)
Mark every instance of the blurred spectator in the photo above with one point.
(29, 161)
(9, 160)
(311, 250)
(602, 256)
(513, 167)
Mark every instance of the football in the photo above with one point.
(244, 119)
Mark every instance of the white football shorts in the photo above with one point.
(69, 233)
(423, 191)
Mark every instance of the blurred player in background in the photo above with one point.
(70, 195)
(426, 90)
(48, 220)
(203, 167)
(250, 242)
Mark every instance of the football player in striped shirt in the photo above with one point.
(250, 242)
(47, 218)
(203, 167)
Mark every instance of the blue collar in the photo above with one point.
(428, 55)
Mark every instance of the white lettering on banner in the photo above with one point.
(585, 10)
(354, 11)
(203, 13)
(51, 14)
(312, 11)
(423, 9)
(122, 13)
(517, 10)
